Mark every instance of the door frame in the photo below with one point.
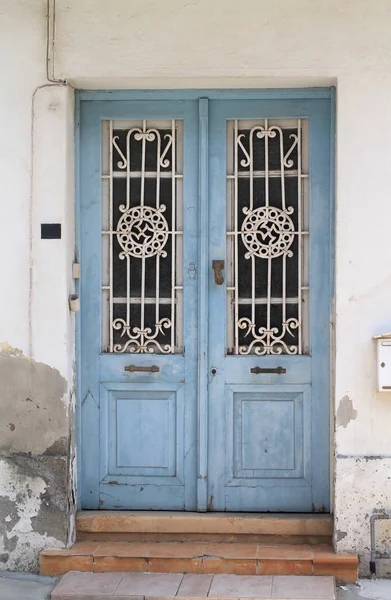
(202, 95)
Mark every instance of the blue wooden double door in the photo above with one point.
(204, 341)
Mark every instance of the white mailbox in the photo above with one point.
(383, 362)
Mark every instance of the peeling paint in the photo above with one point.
(340, 535)
(7, 350)
(345, 412)
(33, 415)
(361, 489)
(34, 460)
(21, 502)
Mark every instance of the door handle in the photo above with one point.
(218, 267)
(278, 370)
(134, 368)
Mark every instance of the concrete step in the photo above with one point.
(201, 557)
(206, 527)
(153, 586)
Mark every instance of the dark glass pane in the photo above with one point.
(270, 252)
(135, 150)
(142, 250)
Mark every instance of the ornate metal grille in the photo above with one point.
(267, 237)
(142, 237)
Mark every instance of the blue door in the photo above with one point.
(205, 244)
(138, 253)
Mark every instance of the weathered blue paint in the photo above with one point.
(209, 462)
(77, 291)
(211, 94)
(203, 309)
(119, 463)
(306, 384)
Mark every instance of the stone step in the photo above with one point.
(205, 527)
(154, 586)
(200, 557)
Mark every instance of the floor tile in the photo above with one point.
(136, 549)
(174, 565)
(238, 566)
(176, 550)
(195, 585)
(222, 550)
(299, 552)
(313, 588)
(284, 567)
(58, 565)
(149, 584)
(241, 586)
(78, 549)
(119, 564)
(75, 583)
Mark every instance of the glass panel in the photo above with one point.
(267, 236)
(142, 236)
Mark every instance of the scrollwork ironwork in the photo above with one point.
(268, 341)
(268, 232)
(142, 231)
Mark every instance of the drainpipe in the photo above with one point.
(375, 517)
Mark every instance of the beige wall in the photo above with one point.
(199, 43)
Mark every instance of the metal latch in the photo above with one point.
(218, 267)
(134, 368)
(278, 370)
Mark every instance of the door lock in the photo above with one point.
(218, 267)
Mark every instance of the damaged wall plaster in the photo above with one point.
(362, 487)
(345, 412)
(34, 448)
(32, 407)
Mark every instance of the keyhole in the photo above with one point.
(213, 371)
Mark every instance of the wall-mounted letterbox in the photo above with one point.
(383, 362)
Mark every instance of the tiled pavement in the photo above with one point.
(123, 586)
(23, 586)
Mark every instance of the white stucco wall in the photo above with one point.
(198, 43)
(36, 328)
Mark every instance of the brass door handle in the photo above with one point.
(278, 370)
(218, 267)
(134, 368)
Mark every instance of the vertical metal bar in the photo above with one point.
(236, 241)
(142, 193)
(282, 171)
(266, 164)
(253, 289)
(111, 238)
(283, 288)
(203, 259)
(128, 168)
(269, 289)
(128, 290)
(251, 208)
(157, 280)
(269, 262)
(251, 140)
(173, 227)
(143, 142)
(300, 240)
(128, 206)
